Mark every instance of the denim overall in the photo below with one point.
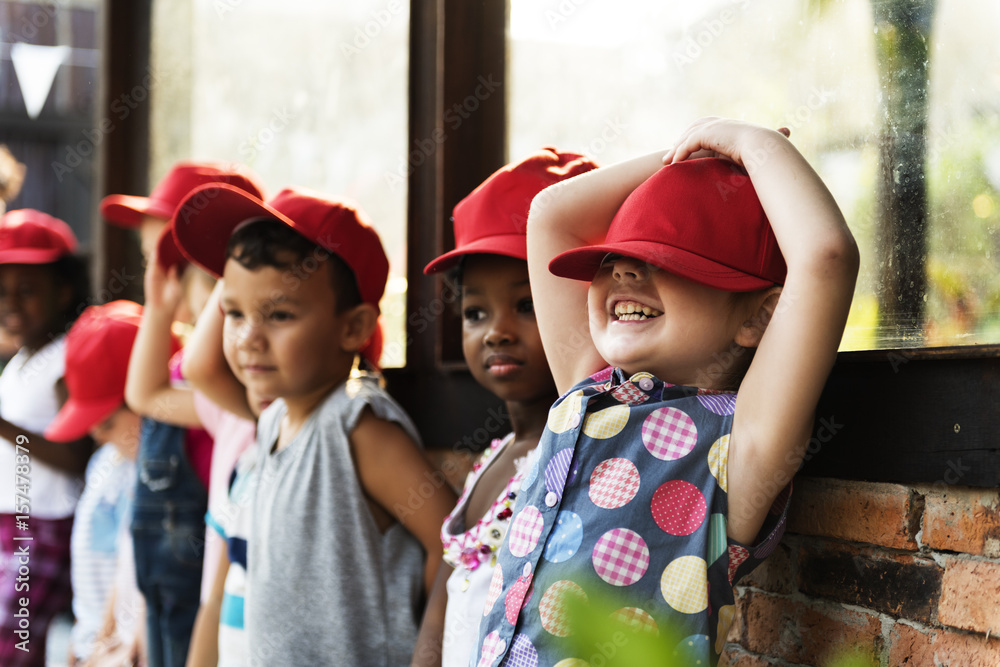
(168, 528)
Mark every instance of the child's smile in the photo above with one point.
(630, 311)
(631, 328)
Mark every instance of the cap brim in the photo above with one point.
(509, 245)
(32, 255)
(583, 263)
(77, 418)
(208, 216)
(128, 211)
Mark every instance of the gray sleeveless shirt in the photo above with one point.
(324, 586)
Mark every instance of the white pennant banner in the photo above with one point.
(36, 68)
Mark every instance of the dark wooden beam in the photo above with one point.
(911, 416)
(123, 120)
(457, 137)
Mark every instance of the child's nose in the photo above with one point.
(628, 268)
(500, 331)
(248, 334)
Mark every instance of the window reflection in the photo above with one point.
(305, 93)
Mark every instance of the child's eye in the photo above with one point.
(281, 316)
(526, 306)
(473, 314)
(233, 314)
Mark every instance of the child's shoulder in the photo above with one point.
(363, 393)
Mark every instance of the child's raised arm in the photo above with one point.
(148, 390)
(205, 365)
(570, 214)
(778, 396)
(395, 474)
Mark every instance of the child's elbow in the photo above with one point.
(134, 399)
(837, 255)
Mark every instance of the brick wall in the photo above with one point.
(898, 575)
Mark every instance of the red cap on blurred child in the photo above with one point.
(98, 347)
(209, 215)
(128, 211)
(28, 236)
(699, 219)
(493, 218)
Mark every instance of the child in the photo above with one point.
(655, 481)
(174, 462)
(233, 431)
(42, 288)
(11, 177)
(504, 354)
(333, 569)
(149, 215)
(97, 352)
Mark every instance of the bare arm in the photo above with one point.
(427, 652)
(205, 365)
(392, 468)
(147, 390)
(778, 396)
(68, 457)
(567, 215)
(204, 649)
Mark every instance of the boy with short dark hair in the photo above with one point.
(334, 564)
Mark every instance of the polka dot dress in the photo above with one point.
(626, 506)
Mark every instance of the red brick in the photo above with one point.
(775, 574)
(961, 519)
(913, 647)
(900, 584)
(808, 634)
(970, 595)
(883, 514)
(736, 657)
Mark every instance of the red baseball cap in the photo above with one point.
(97, 352)
(167, 252)
(699, 219)
(209, 215)
(493, 218)
(127, 210)
(28, 236)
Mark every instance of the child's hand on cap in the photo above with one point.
(162, 287)
(714, 137)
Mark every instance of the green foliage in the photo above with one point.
(601, 636)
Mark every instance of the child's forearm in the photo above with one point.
(574, 213)
(147, 389)
(811, 230)
(427, 652)
(579, 210)
(68, 457)
(205, 365)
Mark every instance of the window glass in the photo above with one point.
(896, 103)
(304, 92)
(49, 76)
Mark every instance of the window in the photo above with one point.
(303, 92)
(48, 98)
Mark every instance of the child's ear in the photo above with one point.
(359, 324)
(752, 329)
